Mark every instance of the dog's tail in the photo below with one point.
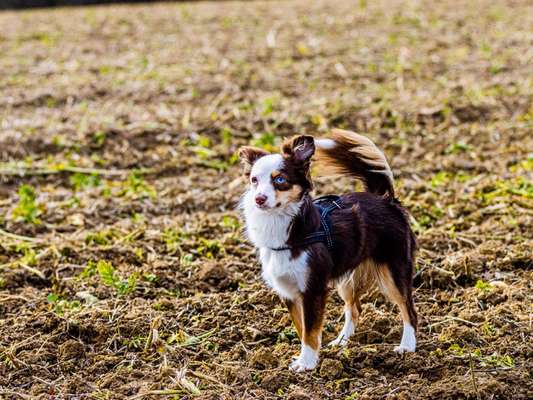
(348, 153)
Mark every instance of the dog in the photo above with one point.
(352, 241)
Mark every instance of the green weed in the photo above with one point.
(457, 147)
(440, 178)
(83, 181)
(136, 186)
(135, 343)
(483, 286)
(501, 190)
(496, 360)
(27, 209)
(61, 306)
(149, 277)
(230, 222)
(89, 270)
(226, 134)
(99, 138)
(266, 141)
(173, 240)
(101, 238)
(488, 329)
(109, 277)
(269, 105)
(209, 248)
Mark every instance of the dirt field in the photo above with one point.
(123, 270)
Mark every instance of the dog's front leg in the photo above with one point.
(313, 305)
(295, 308)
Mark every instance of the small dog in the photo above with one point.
(351, 240)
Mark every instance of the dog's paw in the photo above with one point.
(307, 360)
(341, 341)
(404, 349)
(302, 365)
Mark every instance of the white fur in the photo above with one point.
(347, 330)
(308, 359)
(408, 343)
(286, 276)
(269, 228)
(326, 144)
(262, 171)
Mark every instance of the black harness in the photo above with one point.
(325, 205)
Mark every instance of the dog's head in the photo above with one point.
(279, 180)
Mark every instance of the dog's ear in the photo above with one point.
(300, 149)
(249, 155)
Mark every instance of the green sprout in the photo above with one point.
(109, 277)
(27, 209)
(82, 181)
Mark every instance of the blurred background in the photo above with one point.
(6, 4)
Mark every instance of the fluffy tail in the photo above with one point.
(348, 153)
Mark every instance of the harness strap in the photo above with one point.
(325, 205)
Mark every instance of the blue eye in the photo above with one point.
(279, 180)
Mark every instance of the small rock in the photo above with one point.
(263, 359)
(331, 368)
(212, 273)
(71, 349)
(273, 381)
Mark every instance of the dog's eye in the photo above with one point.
(254, 180)
(279, 180)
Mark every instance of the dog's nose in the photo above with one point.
(260, 199)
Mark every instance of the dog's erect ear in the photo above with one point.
(249, 155)
(300, 149)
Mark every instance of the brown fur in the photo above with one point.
(356, 155)
(292, 195)
(249, 155)
(295, 309)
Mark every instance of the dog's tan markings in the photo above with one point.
(349, 291)
(389, 288)
(313, 336)
(294, 194)
(295, 309)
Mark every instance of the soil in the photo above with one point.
(124, 273)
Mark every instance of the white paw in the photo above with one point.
(404, 349)
(307, 360)
(300, 365)
(340, 341)
(408, 342)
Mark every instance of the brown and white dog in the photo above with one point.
(371, 232)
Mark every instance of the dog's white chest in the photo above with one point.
(287, 276)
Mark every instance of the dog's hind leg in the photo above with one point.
(396, 283)
(352, 309)
(350, 290)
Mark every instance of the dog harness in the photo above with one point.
(325, 205)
